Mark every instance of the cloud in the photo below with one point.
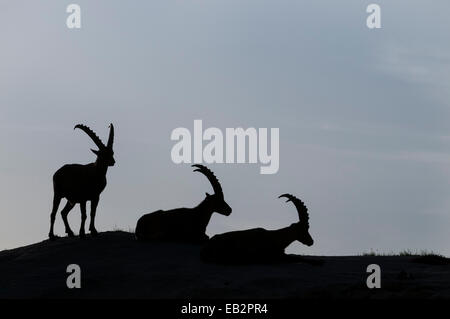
(426, 66)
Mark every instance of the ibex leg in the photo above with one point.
(56, 201)
(64, 214)
(83, 218)
(94, 204)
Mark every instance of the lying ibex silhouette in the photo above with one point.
(259, 245)
(184, 224)
(82, 183)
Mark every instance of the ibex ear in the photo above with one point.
(95, 152)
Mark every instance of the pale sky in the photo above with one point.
(364, 115)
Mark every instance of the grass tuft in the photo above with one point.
(403, 253)
(117, 228)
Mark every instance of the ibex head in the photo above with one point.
(105, 153)
(216, 200)
(302, 227)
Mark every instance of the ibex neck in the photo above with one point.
(205, 210)
(284, 237)
(101, 168)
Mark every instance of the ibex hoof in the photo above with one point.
(94, 233)
(82, 235)
(52, 237)
(70, 234)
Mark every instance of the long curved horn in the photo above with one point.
(91, 134)
(111, 137)
(302, 210)
(211, 177)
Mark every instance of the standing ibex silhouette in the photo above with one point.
(259, 245)
(184, 224)
(82, 183)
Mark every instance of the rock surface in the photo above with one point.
(115, 265)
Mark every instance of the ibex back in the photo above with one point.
(82, 183)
